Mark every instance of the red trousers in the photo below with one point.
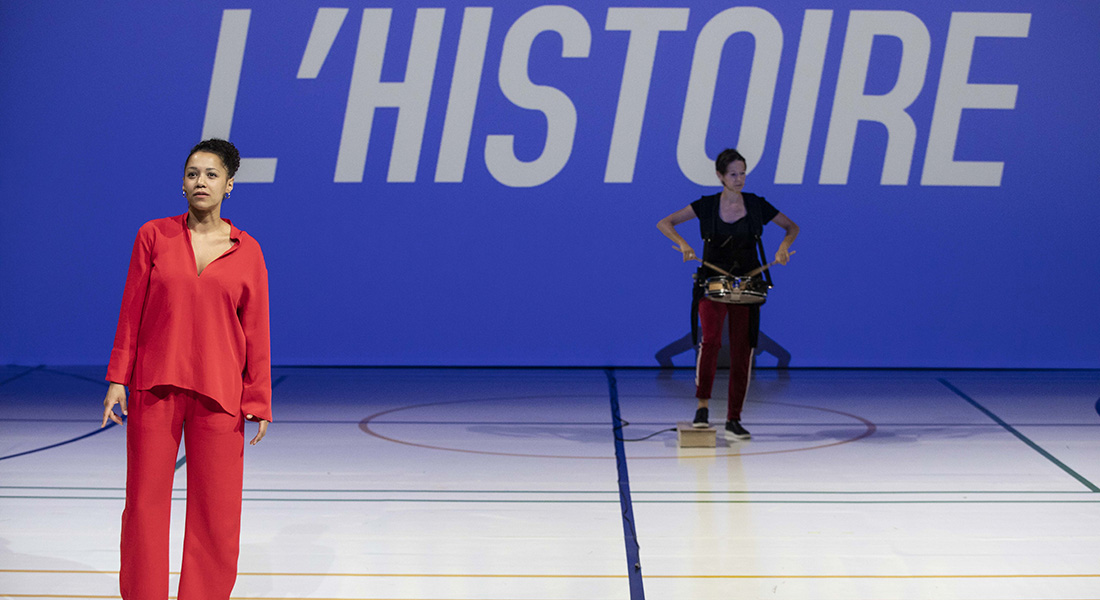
(711, 316)
(214, 443)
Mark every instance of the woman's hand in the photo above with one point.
(261, 433)
(783, 254)
(116, 394)
(668, 225)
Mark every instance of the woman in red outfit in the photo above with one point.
(730, 223)
(192, 345)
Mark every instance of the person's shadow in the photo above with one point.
(765, 345)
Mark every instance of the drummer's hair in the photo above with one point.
(726, 157)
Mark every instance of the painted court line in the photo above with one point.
(546, 497)
(27, 372)
(59, 444)
(591, 576)
(535, 501)
(633, 552)
(634, 492)
(179, 463)
(82, 597)
(1020, 436)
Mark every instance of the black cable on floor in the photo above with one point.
(625, 423)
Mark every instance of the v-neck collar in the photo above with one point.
(234, 233)
(234, 237)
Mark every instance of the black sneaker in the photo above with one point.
(702, 419)
(734, 431)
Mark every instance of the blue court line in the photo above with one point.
(179, 463)
(633, 557)
(27, 372)
(75, 439)
(1091, 486)
(96, 381)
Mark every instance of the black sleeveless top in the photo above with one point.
(732, 246)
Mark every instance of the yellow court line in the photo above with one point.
(51, 596)
(81, 596)
(232, 598)
(174, 598)
(559, 576)
(401, 575)
(1003, 576)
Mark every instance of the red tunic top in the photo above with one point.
(206, 332)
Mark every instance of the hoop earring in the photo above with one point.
(227, 195)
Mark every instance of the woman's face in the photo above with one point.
(205, 181)
(734, 177)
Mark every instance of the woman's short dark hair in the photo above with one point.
(225, 150)
(726, 157)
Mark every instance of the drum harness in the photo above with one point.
(752, 211)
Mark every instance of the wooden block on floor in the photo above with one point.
(690, 437)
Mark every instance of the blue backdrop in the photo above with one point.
(455, 185)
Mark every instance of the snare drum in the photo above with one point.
(735, 290)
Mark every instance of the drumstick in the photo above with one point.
(748, 275)
(760, 270)
(707, 264)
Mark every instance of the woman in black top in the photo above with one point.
(729, 223)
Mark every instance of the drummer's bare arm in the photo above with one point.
(791, 228)
(668, 225)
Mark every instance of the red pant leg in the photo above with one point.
(214, 441)
(153, 430)
(711, 315)
(740, 359)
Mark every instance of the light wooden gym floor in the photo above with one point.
(495, 484)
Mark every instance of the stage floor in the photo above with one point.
(494, 484)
